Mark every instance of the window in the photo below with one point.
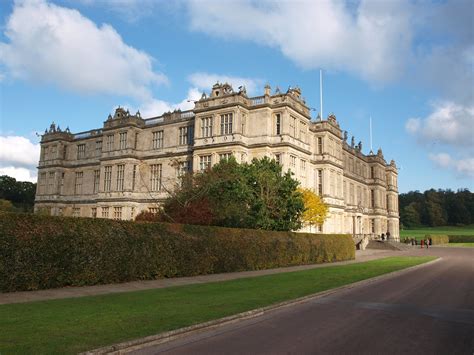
(278, 124)
(96, 180)
(123, 140)
(105, 212)
(372, 225)
(293, 126)
(54, 151)
(120, 176)
(183, 135)
(372, 198)
(65, 152)
(42, 182)
(206, 127)
(303, 167)
(61, 184)
(98, 148)
(226, 124)
(76, 212)
(135, 144)
(60, 211)
(81, 151)
(155, 177)
(110, 142)
(153, 210)
(107, 178)
(94, 212)
(320, 145)
(51, 178)
(292, 161)
(225, 156)
(43, 153)
(320, 182)
(303, 131)
(372, 172)
(351, 191)
(132, 213)
(204, 162)
(157, 139)
(183, 167)
(134, 177)
(78, 183)
(117, 212)
(278, 158)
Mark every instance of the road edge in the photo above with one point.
(161, 338)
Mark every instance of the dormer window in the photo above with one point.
(217, 93)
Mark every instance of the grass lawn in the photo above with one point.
(450, 230)
(455, 245)
(78, 324)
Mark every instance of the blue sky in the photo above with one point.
(407, 64)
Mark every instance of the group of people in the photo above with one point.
(423, 242)
(385, 236)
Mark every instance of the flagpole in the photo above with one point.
(321, 92)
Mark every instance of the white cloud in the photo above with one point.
(18, 151)
(205, 81)
(20, 174)
(463, 167)
(371, 42)
(449, 123)
(53, 44)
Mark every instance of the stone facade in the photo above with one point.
(131, 164)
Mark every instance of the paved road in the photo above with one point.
(425, 311)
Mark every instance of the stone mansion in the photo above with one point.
(132, 163)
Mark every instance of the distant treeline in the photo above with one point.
(436, 208)
(16, 195)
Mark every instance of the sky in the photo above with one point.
(409, 65)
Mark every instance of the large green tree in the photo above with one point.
(256, 195)
(20, 193)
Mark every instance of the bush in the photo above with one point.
(461, 238)
(438, 238)
(38, 252)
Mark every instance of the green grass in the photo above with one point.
(78, 324)
(449, 230)
(455, 245)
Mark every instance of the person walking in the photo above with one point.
(427, 242)
(422, 242)
(388, 235)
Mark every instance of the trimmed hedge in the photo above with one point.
(461, 238)
(39, 252)
(438, 238)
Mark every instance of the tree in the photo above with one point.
(315, 210)
(409, 216)
(256, 195)
(20, 193)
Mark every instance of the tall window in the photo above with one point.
(54, 151)
(155, 177)
(372, 172)
(81, 151)
(123, 140)
(293, 126)
(278, 124)
(94, 212)
(372, 198)
(204, 162)
(320, 145)
(157, 139)
(110, 142)
(42, 183)
(135, 143)
(120, 176)
(320, 182)
(76, 212)
(351, 191)
(107, 178)
(183, 135)
(61, 184)
(292, 161)
(51, 179)
(226, 124)
(65, 152)
(372, 225)
(206, 127)
(303, 131)
(303, 167)
(134, 177)
(225, 156)
(96, 180)
(105, 212)
(78, 183)
(278, 158)
(117, 212)
(98, 148)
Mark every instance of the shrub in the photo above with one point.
(38, 252)
(438, 238)
(461, 238)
